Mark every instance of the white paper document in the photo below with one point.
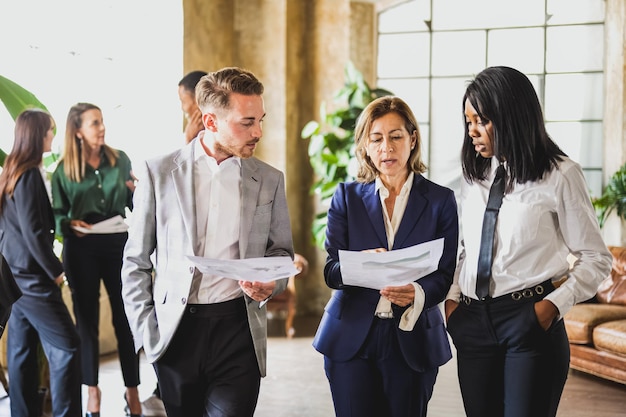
(265, 269)
(113, 225)
(392, 268)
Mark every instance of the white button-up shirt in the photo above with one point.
(218, 203)
(539, 224)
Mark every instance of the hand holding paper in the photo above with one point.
(392, 268)
(113, 225)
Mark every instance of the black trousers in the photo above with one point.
(210, 368)
(43, 318)
(508, 365)
(87, 260)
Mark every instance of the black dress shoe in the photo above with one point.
(94, 414)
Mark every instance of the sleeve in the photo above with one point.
(579, 227)
(437, 284)
(336, 237)
(127, 171)
(280, 238)
(30, 198)
(137, 266)
(60, 202)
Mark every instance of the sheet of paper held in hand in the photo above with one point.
(392, 268)
(265, 269)
(113, 225)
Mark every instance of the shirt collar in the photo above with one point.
(200, 153)
(380, 187)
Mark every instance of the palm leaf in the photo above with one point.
(16, 98)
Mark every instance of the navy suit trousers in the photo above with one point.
(43, 318)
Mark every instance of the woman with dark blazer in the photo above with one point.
(382, 349)
(26, 242)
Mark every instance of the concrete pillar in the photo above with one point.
(298, 49)
(614, 106)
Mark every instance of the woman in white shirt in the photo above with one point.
(513, 353)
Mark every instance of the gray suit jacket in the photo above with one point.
(163, 224)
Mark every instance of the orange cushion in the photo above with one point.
(611, 337)
(583, 318)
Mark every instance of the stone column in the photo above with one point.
(298, 49)
(614, 106)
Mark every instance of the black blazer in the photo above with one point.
(9, 293)
(27, 235)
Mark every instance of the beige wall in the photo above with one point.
(614, 106)
(299, 49)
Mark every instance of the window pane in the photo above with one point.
(594, 182)
(521, 49)
(405, 17)
(574, 97)
(453, 56)
(575, 11)
(582, 141)
(403, 55)
(575, 48)
(415, 92)
(477, 14)
(446, 129)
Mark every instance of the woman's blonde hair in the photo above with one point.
(376, 109)
(74, 153)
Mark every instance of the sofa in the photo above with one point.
(597, 329)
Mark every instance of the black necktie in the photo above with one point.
(485, 258)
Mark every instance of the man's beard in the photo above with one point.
(244, 152)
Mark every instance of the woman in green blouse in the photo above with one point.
(94, 182)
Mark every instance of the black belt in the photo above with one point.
(538, 292)
(226, 308)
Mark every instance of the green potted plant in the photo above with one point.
(613, 197)
(331, 146)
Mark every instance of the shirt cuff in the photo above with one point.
(410, 316)
(454, 293)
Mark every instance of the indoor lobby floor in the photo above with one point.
(297, 387)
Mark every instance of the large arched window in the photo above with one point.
(429, 49)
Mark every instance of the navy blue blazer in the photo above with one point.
(27, 235)
(356, 223)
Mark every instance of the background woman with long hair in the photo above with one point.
(94, 182)
(26, 242)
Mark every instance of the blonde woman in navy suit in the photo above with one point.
(26, 237)
(382, 349)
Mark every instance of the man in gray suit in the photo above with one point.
(206, 334)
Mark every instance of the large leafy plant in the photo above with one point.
(331, 146)
(613, 197)
(16, 99)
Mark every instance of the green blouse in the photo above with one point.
(101, 194)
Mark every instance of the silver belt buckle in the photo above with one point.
(384, 315)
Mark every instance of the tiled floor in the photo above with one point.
(296, 385)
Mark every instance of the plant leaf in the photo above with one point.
(16, 98)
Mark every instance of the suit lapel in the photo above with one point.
(371, 200)
(250, 186)
(414, 208)
(182, 176)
